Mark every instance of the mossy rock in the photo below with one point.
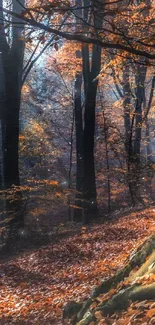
(71, 308)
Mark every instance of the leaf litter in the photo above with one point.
(36, 285)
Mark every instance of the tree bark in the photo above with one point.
(127, 108)
(78, 215)
(85, 135)
(91, 84)
(140, 84)
(79, 149)
(89, 131)
(12, 62)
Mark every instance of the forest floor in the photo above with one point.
(36, 283)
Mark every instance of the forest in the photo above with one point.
(77, 162)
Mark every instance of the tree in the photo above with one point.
(12, 49)
(85, 135)
(89, 129)
(78, 106)
(12, 60)
(116, 33)
(120, 33)
(131, 88)
(105, 26)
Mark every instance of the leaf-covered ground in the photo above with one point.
(36, 284)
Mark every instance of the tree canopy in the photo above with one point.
(128, 26)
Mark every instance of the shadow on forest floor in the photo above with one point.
(32, 241)
(29, 241)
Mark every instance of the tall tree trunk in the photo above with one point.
(2, 106)
(134, 168)
(90, 88)
(78, 129)
(89, 130)
(11, 130)
(12, 59)
(79, 149)
(13, 78)
(85, 137)
(127, 107)
(148, 142)
(140, 84)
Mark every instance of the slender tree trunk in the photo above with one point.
(11, 132)
(140, 84)
(107, 161)
(85, 137)
(148, 145)
(127, 107)
(79, 130)
(90, 88)
(11, 156)
(147, 135)
(79, 149)
(2, 107)
(13, 83)
(140, 95)
(89, 130)
(134, 167)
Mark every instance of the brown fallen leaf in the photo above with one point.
(98, 315)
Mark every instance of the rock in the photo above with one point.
(71, 308)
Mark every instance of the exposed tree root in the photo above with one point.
(119, 302)
(144, 258)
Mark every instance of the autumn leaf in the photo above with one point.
(98, 315)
